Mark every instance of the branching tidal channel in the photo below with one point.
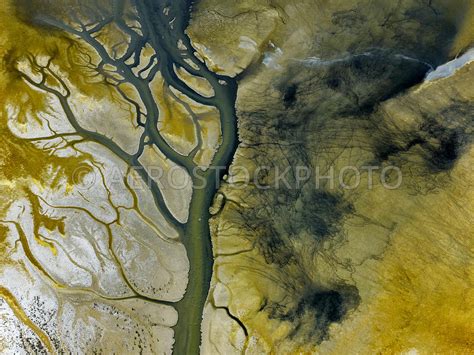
(160, 25)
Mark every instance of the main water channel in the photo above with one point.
(196, 236)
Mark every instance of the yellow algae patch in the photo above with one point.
(200, 85)
(175, 121)
(22, 164)
(3, 241)
(133, 96)
(210, 128)
(114, 40)
(21, 315)
(424, 297)
(420, 294)
(42, 220)
(21, 160)
(465, 37)
(208, 122)
(76, 61)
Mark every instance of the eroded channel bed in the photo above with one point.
(236, 177)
